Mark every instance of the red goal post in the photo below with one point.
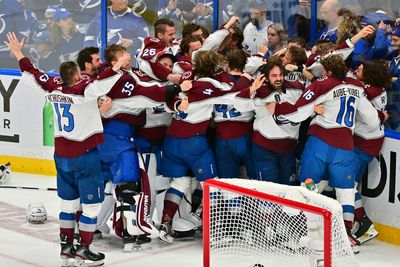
(270, 223)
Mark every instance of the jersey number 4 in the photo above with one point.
(69, 126)
(346, 112)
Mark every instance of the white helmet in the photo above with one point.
(5, 173)
(36, 213)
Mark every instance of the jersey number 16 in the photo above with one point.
(346, 112)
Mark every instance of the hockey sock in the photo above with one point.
(87, 227)
(67, 225)
(197, 197)
(345, 196)
(359, 212)
(172, 200)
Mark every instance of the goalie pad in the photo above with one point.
(133, 207)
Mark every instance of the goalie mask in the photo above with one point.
(5, 173)
(36, 213)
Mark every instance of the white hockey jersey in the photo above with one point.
(370, 140)
(78, 126)
(343, 101)
(205, 93)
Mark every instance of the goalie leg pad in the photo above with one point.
(134, 207)
(106, 209)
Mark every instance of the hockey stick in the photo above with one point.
(29, 187)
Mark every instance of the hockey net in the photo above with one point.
(253, 223)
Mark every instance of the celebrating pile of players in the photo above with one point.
(138, 134)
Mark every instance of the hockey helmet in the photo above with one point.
(36, 213)
(5, 173)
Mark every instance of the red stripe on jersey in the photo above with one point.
(280, 146)
(336, 137)
(155, 134)
(372, 147)
(233, 129)
(72, 149)
(182, 129)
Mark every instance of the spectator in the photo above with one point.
(65, 36)
(14, 18)
(329, 14)
(82, 11)
(42, 53)
(393, 95)
(255, 32)
(349, 25)
(374, 46)
(123, 27)
(184, 12)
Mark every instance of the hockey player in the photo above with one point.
(184, 62)
(344, 102)
(164, 40)
(118, 154)
(76, 157)
(274, 138)
(150, 138)
(233, 128)
(368, 142)
(89, 62)
(185, 146)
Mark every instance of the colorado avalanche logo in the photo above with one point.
(187, 75)
(85, 77)
(58, 80)
(282, 121)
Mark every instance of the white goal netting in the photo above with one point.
(248, 229)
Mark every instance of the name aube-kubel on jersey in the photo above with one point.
(346, 92)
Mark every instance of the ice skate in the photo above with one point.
(366, 230)
(166, 232)
(355, 244)
(370, 234)
(67, 253)
(136, 243)
(85, 257)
